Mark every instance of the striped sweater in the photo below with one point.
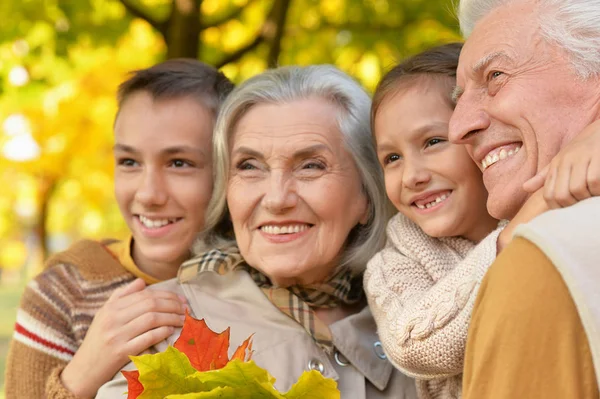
(56, 311)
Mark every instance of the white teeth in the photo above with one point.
(489, 160)
(432, 203)
(154, 224)
(296, 228)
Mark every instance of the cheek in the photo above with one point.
(124, 192)
(393, 187)
(239, 202)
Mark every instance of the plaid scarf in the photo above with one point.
(295, 301)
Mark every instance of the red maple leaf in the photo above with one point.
(134, 387)
(206, 349)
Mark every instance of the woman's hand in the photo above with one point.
(574, 173)
(131, 321)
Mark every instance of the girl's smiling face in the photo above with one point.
(434, 183)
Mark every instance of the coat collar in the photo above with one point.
(355, 337)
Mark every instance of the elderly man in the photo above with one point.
(528, 83)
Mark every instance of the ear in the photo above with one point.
(364, 218)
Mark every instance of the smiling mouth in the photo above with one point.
(499, 154)
(155, 223)
(421, 204)
(285, 229)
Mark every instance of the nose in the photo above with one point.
(280, 194)
(415, 174)
(469, 117)
(152, 190)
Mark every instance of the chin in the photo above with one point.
(437, 232)
(504, 208)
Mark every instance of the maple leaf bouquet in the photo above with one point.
(198, 366)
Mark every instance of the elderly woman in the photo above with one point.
(298, 184)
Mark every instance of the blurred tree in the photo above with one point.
(61, 62)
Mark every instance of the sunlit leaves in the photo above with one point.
(199, 367)
(61, 62)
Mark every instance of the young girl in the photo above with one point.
(421, 287)
(81, 318)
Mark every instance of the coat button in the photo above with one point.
(314, 364)
(379, 350)
(340, 359)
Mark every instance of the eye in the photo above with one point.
(391, 158)
(433, 141)
(127, 162)
(494, 74)
(313, 165)
(245, 165)
(181, 163)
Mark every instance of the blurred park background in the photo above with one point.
(62, 60)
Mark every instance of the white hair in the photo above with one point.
(283, 85)
(573, 25)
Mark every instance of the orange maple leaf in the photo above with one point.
(244, 351)
(206, 349)
(134, 387)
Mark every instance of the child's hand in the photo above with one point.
(574, 173)
(132, 320)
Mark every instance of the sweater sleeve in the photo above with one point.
(421, 291)
(42, 340)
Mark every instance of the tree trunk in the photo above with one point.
(182, 34)
(278, 18)
(47, 186)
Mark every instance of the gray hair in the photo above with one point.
(573, 25)
(284, 85)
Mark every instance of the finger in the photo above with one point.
(146, 295)
(578, 184)
(148, 339)
(150, 321)
(562, 193)
(549, 188)
(593, 177)
(537, 181)
(120, 326)
(136, 285)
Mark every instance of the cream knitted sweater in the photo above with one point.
(421, 291)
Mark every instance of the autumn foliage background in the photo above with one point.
(61, 62)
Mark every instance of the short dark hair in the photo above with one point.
(176, 78)
(437, 62)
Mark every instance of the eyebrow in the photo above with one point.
(486, 60)
(168, 150)
(457, 91)
(480, 65)
(416, 134)
(302, 153)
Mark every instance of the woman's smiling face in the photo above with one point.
(431, 181)
(294, 192)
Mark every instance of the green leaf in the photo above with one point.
(312, 385)
(244, 375)
(222, 393)
(165, 373)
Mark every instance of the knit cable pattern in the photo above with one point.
(421, 291)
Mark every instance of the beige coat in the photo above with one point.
(281, 345)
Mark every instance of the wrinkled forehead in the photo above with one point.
(508, 31)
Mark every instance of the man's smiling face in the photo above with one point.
(519, 101)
